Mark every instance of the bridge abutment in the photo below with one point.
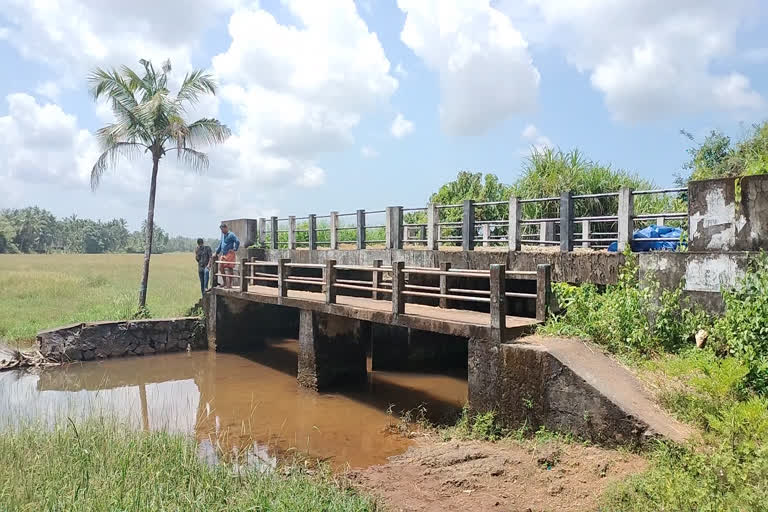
(242, 325)
(332, 350)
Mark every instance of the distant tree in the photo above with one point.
(151, 120)
(476, 186)
(35, 229)
(7, 235)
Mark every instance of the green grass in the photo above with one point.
(48, 290)
(103, 466)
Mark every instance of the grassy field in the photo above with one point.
(46, 290)
(102, 466)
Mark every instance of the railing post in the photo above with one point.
(566, 221)
(515, 216)
(433, 227)
(661, 221)
(543, 290)
(292, 232)
(626, 213)
(585, 226)
(282, 274)
(330, 282)
(498, 289)
(275, 235)
(444, 267)
(262, 232)
(243, 274)
(546, 231)
(486, 235)
(393, 227)
(398, 286)
(312, 228)
(405, 235)
(334, 230)
(361, 229)
(468, 225)
(376, 279)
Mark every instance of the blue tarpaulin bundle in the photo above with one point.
(654, 231)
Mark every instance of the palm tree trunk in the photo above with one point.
(150, 231)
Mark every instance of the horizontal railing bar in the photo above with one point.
(520, 295)
(430, 272)
(442, 206)
(375, 227)
(538, 199)
(375, 241)
(653, 216)
(414, 225)
(598, 218)
(454, 223)
(660, 191)
(305, 265)
(302, 281)
(447, 296)
(236, 263)
(364, 288)
(259, 278)
(592, 196)
(261, 263)
(598, 239)
(414, 209)
(546, 242)
(491, 203)
(353, 281)
(373, 212)
(641, 240)
(476, 292)
(262, 274)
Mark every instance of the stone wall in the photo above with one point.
(99, 340)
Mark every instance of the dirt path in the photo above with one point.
(509, 476)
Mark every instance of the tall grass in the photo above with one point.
(47, 290)
(100, 465)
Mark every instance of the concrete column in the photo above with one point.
(210, 302)
(515, 216)
(282, 274)
(626, 215)
(292, 232)
(468, 225)
(546, 232)
(389, 347)
(543, 290)
(498, 309)
(334, 234)
(398, 287)
(376, 279)
(486, 235)
(312, 223)
(585, 224)
(405, 235)
(566, 221)
(243, 274)
(433, 227)
(394, 227)
(262, 232)
(444, 284)
(361, 229)
(332, 350)
(275, 235)
(661, 221)
(329, 284)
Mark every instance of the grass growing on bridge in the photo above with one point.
(102, 466)
(47, 290)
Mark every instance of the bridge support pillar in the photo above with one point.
(396, 348)
(332, 350)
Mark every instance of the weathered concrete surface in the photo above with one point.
(241, 325)
(566, 386)
(704, 274)
(247, 230)
(98, 340)
(396, 348)
(332, 350)
(729, 214)
(572, 267)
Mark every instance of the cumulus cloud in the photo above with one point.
(401, 126)
(368, 152)
(536, 139)
(486, 73)
(649, 58)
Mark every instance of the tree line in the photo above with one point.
(36, 230)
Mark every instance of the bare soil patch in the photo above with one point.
(512, 476)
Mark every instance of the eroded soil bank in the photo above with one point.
(436, 475)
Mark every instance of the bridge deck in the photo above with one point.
(418, 316)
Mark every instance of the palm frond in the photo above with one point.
(120, 92)
(196, 160)
(109, 158)
(196, 83)
(207, 131)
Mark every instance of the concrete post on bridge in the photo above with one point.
(329, 281)
(398, 287)
(498, 309)
(312, 228)
(333, 226)
(626, 216)
(262, 232)
(513, 230)
(433, 227)
(393, 227)
(292, 232)
(546, 232)
(376, 278)
(468, 225)
(566, 221)
(275, 236)
(332, 350)
(360, 214)
(543, 291)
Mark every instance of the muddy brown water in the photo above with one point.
(245, 403)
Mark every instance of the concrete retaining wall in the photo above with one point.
(99, 340)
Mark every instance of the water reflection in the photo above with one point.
(247, 404)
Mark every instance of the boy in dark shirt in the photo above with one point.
(203, 255)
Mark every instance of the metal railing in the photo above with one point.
(472, 223)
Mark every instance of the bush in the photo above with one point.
(743, 330)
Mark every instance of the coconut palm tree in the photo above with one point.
(149, 119)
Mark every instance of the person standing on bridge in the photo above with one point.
(203, 255)
(227, 246)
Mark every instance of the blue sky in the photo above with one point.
(341, 105)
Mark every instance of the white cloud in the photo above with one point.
(401, 126)
(535, 139)
(368, 152)
(49, 90)
(649, 58)
(486, 73)
(400, 70)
